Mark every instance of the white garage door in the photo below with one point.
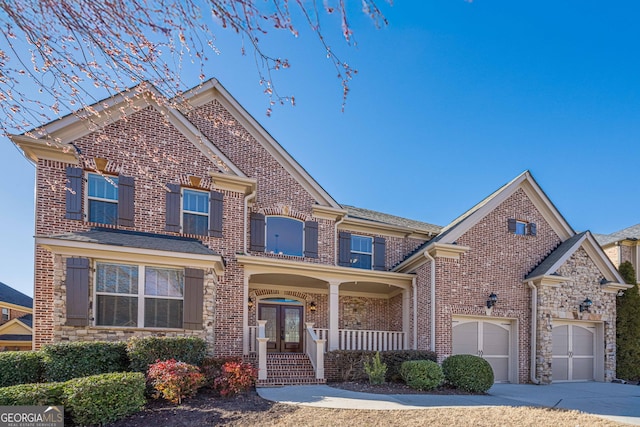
(573, 352)
(489, 339)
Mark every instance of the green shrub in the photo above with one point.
(64, 361)
(375, 369)
(20, 367)
(235, 378)
(628, 327)
(421, 374)
(148, 350)
(43, 394)
(211, 367)
(468, 372)
(99, 399)
(174, 380)
(348, 365)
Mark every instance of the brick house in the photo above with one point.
(15, 319)
(193, 220)
(621, 246)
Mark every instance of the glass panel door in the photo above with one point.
(283, 327)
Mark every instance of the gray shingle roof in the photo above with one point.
(369, 215)
(632, 232)
(135, 239)
(546, 264)
(27, 319)
(12, 296)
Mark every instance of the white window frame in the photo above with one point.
(87, 198)
(351, 251)
(140, 295)
(183, 211)
(6, 314)
(266, 234)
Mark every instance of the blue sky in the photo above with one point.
(452, 100)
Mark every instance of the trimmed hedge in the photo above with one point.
(421, 374)
(468, 372)
(147, 350)
(348, 365)
(20, 367)
(65, 361)
(99, 399)
(43, 394)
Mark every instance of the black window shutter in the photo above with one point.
(311, 239)
(344, 249)
(126, 198)
(193, 298)
(172, 214)
(379, 253)
(77, 284)
(512, 225)
(215, 213)
(532, 229)
(74, 193)
(257, 232)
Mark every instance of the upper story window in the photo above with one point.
(522, 228)
(284, 236)
(102, 199)
(195, 212)
(5, 314)
(139, 296)
(361, 252)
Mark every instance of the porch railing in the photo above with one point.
(315, 348)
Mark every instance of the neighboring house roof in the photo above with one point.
(464, 222)
(366, 214)
(15, 337)
(27, 320)
(12, 296)
(136, 239)
(629, 233)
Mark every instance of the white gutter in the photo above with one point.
(335, 241)
(433, 300)
(415, 313)
(534, 328)
(246, 209)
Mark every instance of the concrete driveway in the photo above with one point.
(619, 402)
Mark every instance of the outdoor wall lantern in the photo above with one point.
(493, 299)
(312, 306)
(250, 303)
(585, 305)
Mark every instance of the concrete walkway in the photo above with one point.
(618, 402)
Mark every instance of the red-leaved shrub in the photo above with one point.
(235, 377)
(174, 380)
(211, 367)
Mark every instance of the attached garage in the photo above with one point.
(492, 339)
(576, 353)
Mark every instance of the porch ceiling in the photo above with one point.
(278, 280)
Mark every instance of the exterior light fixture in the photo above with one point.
(312, 306)
(250, 303)
(493, 299)
(585, 305)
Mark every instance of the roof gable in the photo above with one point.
(629, 233)
(54, 139)
(14, 297)
(213, 90)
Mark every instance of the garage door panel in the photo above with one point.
(500, 366)
(582, 341)
(560, 340)
(582, 369)
(560, 369)
(465, 338)
(495, 340)
(573, 352)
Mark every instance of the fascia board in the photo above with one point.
(6, 304)
(123, 253)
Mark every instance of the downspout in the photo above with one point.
(415, 313)
(335, 240)
(433, 300)
(246, 211)
(534, 330)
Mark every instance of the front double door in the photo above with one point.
(283, 328)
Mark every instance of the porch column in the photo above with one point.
(406, 317)
(334, 311)
(245, 314)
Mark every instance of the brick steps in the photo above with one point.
(288, 369)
